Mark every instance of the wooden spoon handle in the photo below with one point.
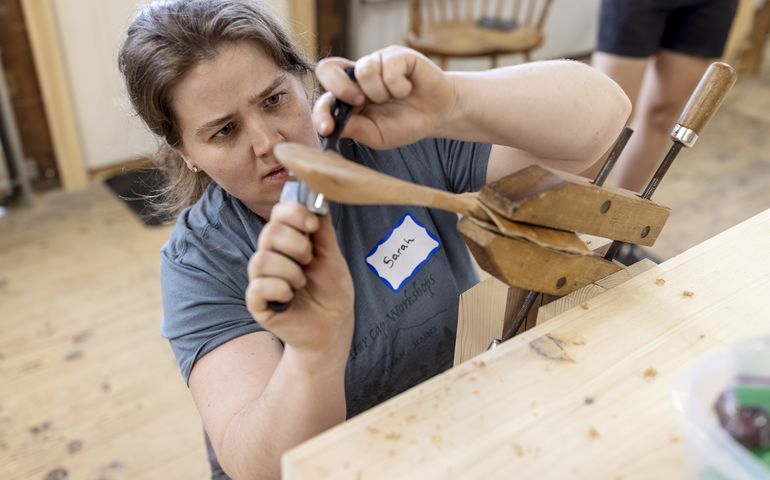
(348, 182)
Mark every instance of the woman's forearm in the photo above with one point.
(304, 397)
(557, 109)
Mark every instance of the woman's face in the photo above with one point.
(231, 111)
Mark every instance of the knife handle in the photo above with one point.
(279, 307)
(340, 114)
(704, 102)
(291, 192)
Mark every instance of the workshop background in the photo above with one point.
(88, 388)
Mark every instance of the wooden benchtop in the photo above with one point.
(585, 395)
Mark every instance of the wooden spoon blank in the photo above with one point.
(348, 182)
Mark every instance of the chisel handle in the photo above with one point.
(704, 102)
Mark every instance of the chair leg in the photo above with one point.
(527, 57)
(760, 31)
(493, 61)
(442, 62)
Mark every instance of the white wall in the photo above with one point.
(570, 29)
(90, 32)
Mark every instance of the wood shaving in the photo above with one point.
(584, 306)
(551, 348)
(650, 373)
(589, 400)
(688, 293)
(660, 282)
(518, 449)
(592, 433)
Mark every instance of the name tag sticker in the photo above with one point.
(402, 252)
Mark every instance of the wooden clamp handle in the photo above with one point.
(707, 97)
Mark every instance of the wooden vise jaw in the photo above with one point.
(540, 196)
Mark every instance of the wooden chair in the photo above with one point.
(476, 28)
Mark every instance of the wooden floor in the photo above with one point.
(88, 387)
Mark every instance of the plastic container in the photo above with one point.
(710, 452)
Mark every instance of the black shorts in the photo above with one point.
(641, 28)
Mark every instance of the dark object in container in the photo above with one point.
(744, 417)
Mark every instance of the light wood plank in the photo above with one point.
(303, 18)
(52, 76)
(582, 296)
(571, 398)
(484, 313)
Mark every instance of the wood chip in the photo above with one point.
(650, 373)
(589, 400)
(551, 348)
(592, 433)
(518, 449)
(660, 282)
(584, 306)
(688, 293)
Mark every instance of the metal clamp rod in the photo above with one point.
(521, 315)
(617, 149)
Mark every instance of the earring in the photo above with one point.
(195, 169)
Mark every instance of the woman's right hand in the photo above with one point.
(298, 256)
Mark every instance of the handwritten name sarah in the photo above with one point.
(390, 260)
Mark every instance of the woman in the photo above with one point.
(221, 84)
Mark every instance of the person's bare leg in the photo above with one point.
(664, 93)
(627, 72)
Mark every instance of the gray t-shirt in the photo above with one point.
(405, 323)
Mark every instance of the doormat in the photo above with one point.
(137, 188)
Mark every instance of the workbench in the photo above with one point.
(586, 394)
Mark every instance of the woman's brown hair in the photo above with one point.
(163, 43)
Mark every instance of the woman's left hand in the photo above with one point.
(400, 97)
